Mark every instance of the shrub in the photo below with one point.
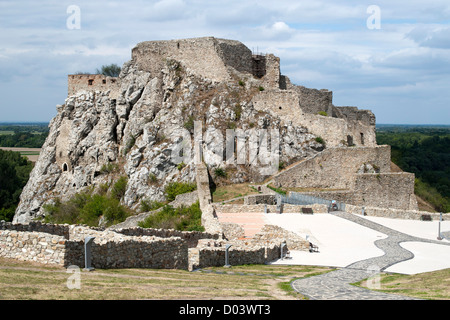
(180, 166)
(261, 88)
(219, 172)
(175, 188)
(108, 168)
(119, 188)
(320, 140)
(241, 83)
(152, 179)
(189, 124)
(323, 113)
(183, 218)
(111, 70)
(238, 112)
(147, 205)
(86, 208)
(130, 144)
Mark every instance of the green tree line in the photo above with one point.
(14, 173)
(23, 139)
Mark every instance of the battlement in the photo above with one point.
(91, 82)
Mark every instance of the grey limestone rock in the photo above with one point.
(142, 127)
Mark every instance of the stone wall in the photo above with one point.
(209, 219)
(190, 237)
(355, 114)
(275, 235)
(301, 106)
(386, 190)
(338, 131)
(207, 57)
(272, 75)
(117, 250)
(62, 230)
(232, 230)
(261, 199)
(395, 213)
(281, 103)
(39, 247)
(109, 249)
(287, 208)
(334, 168)
(92, 82)
(314, 101)
(239, 254)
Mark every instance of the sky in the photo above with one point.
(391, 57)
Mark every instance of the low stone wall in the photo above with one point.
(238, 255)
(232, 230)
(36, 226)
(190, 237)
(109, 249)
(140, 252)
(39, 247)
(287, 208)
(261, 199)
(395, 213)
(271, 234)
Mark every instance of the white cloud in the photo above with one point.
(322, 44)
(432, 36)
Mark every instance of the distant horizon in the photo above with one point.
(378, 124)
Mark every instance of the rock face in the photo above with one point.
(141, 125)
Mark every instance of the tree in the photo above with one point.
(14, 174)
(111, 70)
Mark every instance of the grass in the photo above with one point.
(28, 280)
(429, 285)
(277, 190)
(228, 192)
(25, 280)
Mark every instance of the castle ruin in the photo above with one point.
(134, 122)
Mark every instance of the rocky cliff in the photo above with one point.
(142, 127)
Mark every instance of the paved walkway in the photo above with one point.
(335, 285)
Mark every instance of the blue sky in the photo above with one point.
(400, 71)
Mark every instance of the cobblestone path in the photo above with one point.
(335, 285)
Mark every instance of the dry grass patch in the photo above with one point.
(24, 280)
(228, 192)
(429, 285)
